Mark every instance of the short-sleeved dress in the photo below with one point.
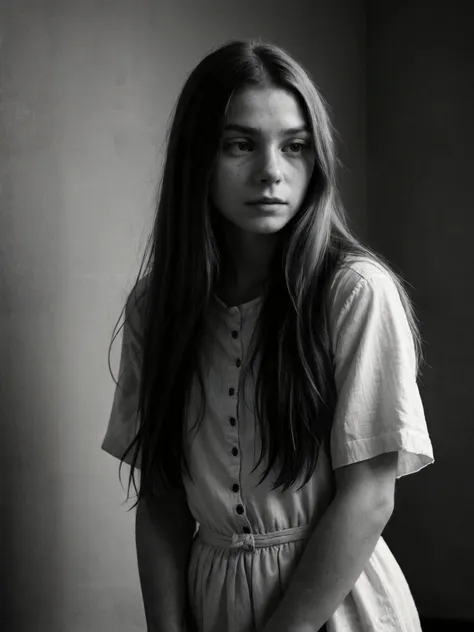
(251, 537)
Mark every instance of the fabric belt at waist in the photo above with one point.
(251, 541)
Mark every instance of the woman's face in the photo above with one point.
(267, 151)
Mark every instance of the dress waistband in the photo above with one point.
(251, 541)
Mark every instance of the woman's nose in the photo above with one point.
(269, 168)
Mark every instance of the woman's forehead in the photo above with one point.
(268, 106)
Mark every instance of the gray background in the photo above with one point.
(86, 93)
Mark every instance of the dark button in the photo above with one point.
(235, 451)
(235, 488)
(231, 391)
(235, 334)
(232, 421)
(246, 530)
(238, 363)
(240, 509)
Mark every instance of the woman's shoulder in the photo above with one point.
(357, 267)
(353, 272)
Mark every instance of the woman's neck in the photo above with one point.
(232, 297)
(235, 289)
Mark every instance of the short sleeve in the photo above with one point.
(379, 408)
(123, 421)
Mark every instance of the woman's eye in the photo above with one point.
(244, 146)
(238, 145)
(296, 148)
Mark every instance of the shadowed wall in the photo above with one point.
(420, 97)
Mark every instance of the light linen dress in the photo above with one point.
(250, 538)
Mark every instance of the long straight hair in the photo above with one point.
(183, 262)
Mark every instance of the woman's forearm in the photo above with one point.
(164, 532)
(331, 563)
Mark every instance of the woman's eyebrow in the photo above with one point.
(255, 131)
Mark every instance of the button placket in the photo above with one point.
(236, 335)
(235, 328)
(238, 507)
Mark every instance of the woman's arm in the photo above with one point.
(164, 533)
(340, 545)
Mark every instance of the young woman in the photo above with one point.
(268, 377)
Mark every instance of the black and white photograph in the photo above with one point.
(236, 316)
